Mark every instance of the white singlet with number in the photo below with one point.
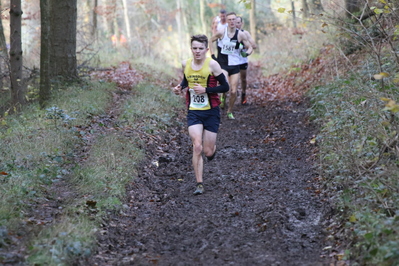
(228, 46)
(198, 101)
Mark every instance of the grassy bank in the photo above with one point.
(41, 162)
(359, 159)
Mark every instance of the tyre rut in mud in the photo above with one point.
(259, 205)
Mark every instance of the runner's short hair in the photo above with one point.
(200, 38)
(240, 18)
(231, 13)
(222, 11)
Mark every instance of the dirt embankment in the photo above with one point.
(261, 204)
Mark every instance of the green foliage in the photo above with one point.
(359, 158)
(58, 116)
(372, 30)
(359, 152)
(32, 156)
(110, 166)
(60, 245)
(151, 104)
(378, 240)
(247, 3)
(5, 97)
(79, 101)
(38, 149)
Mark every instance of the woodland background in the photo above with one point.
(60, 37)
(342, 55)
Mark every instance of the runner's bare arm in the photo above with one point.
(183, 84)
(251, 41)
(216, 36)
(215, 68)
(214, 25)
(242, 37)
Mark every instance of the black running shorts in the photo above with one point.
(231, 70)
(244, 66)
(210, 119)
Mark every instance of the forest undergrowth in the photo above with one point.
(63, 169)
(359, 159)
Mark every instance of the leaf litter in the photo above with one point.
(261, 206)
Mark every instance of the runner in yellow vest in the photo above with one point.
(203, 80)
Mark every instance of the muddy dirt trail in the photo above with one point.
(260, 205)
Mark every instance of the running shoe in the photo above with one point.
(199, 189)
(230, 116)
(222, 100)
(210, 158)
(243, 99)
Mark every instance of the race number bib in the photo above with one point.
(199, 101)
(228, 46)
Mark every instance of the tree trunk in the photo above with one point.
(94, 28)
(315, 6)
(3, 53)
(116, 34)
(86, 15)
(353, 6)
(188, 26)
(293, 14)
(179, 27)
(106, 20)
(202, 18)
(17, 86)
(127, 21)
(268, 10)
(45, 86)
(252, 20)
(63, 39)
(305, 9)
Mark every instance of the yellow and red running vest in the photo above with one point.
(204, 77)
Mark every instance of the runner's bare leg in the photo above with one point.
(196, 132)
(209, 143)
(243, 76)
(233, 80)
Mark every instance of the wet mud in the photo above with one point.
(260, 205)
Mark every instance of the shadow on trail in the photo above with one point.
(260, 206)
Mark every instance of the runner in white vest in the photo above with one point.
(219, 22)
(229, 58)
(244, 60)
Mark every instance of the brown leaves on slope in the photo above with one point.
(123, 75)
(285, 86)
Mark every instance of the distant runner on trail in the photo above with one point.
(244, 60)
(219, 22)
(229, 56)
(201, 77)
